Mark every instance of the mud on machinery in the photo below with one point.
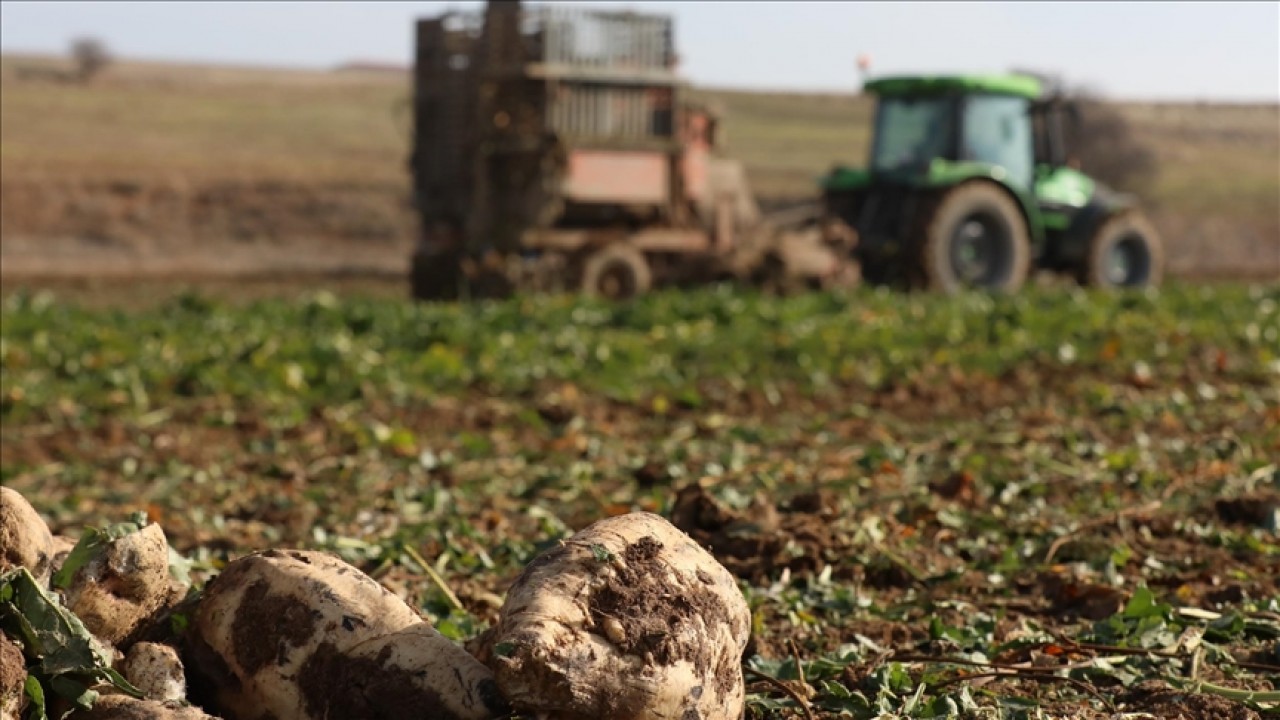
(554, 148)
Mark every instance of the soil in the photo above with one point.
(1165, 703)
(65, 229)
(758, 543)
(13, 669)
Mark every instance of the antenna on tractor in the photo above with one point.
(864, 67)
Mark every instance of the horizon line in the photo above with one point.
(394, 66)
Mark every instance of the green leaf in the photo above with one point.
(1143, 605)
(77, 692)
(602, 553)
(180, 567)
(54, 638)
(1227, 627)
(35, 694)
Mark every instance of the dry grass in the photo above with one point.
(157, 122)
(1217, 194)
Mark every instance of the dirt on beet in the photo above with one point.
(265, 624)
(337, 685)
(656, 622)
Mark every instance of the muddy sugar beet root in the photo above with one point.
(629, 619)
(25, 539)
(122, 707)
(297, 635)
(122, 585)
(156, 670)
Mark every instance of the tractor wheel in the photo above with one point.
(975, 238)
(616, 272)
(1125, 251)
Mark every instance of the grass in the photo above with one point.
(951, 491)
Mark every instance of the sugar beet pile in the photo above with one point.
(628, 619)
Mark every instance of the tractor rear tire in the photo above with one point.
(616, 272)
(975, 237)
(1125, 251)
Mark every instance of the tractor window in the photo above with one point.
(997, 130)
(911, 132)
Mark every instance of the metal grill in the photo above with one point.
(601, 39)
(886, 214)
(443, 109)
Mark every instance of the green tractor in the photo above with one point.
(970, 185)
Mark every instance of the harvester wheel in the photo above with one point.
(975, 237)
(616, 272)
(1125, 251)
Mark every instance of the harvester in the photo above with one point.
(970, 185)
(556, 148)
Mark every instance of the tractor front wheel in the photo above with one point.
(975, 238)
(1125, 251)
(616, 272)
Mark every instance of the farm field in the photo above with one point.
(1057, 505)
(155, 169)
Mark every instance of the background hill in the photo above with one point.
(218, 170)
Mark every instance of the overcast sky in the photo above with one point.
(1141, 50)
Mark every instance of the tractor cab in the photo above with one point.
(922, 123)
(969, 184)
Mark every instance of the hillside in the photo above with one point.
(166, 167)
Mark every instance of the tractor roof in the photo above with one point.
(1020, 85)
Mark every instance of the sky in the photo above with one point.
(1211, 51)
